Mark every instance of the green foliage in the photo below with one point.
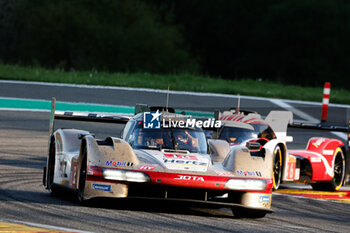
(297, 42)
(187, 82)
(308, 40)
(104, 35)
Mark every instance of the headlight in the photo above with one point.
(246, 184)
(122, 175)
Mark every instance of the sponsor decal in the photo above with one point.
(315, 159)
(101, 187)
(151, 120)
(318, 142)
(248, 173)
(328, 152)
(291, 167)
(224, 173)
(119, 164)
(147, 167)
(176, 156)
(187, 162)
(264, 199)
(194, 178)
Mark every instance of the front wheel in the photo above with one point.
(51, 170)
(339, 174)
(82, 177)
(277, 167)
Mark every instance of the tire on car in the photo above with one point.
(82, 175)
(277, 167)
(339, 174)
(51, 169)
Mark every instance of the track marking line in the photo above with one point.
(204, 94)
(39, 105)
(18, 103)
(20, 226)
(295, 111)
(300, 191)
(13, 227)
(338, 196)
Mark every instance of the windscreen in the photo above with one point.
(192, 140)
(264, 131)
(236, 135)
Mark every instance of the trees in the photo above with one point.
(107, 35)
(301, 42)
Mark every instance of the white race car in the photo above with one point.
(160, 163)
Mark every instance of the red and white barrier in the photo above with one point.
(325, 102)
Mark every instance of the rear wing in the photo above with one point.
(324, 126)
(320, 126)
(279, 121)
(84, 116)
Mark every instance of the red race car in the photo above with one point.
(321, 163)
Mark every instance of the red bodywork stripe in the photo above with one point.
(181, 180)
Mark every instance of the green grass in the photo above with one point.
(185, 82)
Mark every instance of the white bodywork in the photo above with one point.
(279, 120)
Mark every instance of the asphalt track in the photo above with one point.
(23, 149)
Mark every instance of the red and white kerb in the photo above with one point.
(325, 102)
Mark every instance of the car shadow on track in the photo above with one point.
(38, 197)
(69, 198)
(159, 206)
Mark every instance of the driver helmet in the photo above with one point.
(182, 136)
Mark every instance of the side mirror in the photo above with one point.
(253, 145)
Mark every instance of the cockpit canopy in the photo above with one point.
(237, 135)
(189, 139)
